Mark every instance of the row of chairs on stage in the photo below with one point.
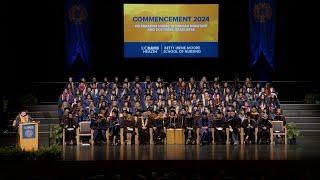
(175, 136)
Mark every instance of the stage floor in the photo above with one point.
(306, 149)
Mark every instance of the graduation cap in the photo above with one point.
(161, 110)
(204, 113)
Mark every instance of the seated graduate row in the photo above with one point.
(96, 95)
(157, 127)
(84, 99)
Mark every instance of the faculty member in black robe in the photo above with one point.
(249, 126)
(70, 126)
(264, 129)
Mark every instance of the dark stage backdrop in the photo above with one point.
(33, 37)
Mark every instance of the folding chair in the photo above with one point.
(84, 130)
(278, 129)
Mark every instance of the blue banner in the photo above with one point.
(170, 49)
(77, 14)
(28, 131)
(262, 30)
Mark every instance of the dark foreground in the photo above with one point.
(299, 161)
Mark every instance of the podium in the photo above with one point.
(28, 136)
(170, 136)
(179, 136)
(175, 136)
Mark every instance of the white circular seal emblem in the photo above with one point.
(28, 133)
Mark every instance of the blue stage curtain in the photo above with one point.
(262, 30)
(77, 24)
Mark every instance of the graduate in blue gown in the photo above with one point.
(80, 116)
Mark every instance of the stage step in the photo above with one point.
(303, 119)
(48, 103)
(44, 114)
(43, 139)
(310, 132)
(48, 120)
(47, 114)
(308, 126)
(44, 134)
(306, 117)
(44, 127)
(300, 106)
(303, 113)
(50, 107)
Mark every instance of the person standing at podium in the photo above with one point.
(22, 117)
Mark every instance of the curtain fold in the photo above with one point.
(262, 15)
(77, 31)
